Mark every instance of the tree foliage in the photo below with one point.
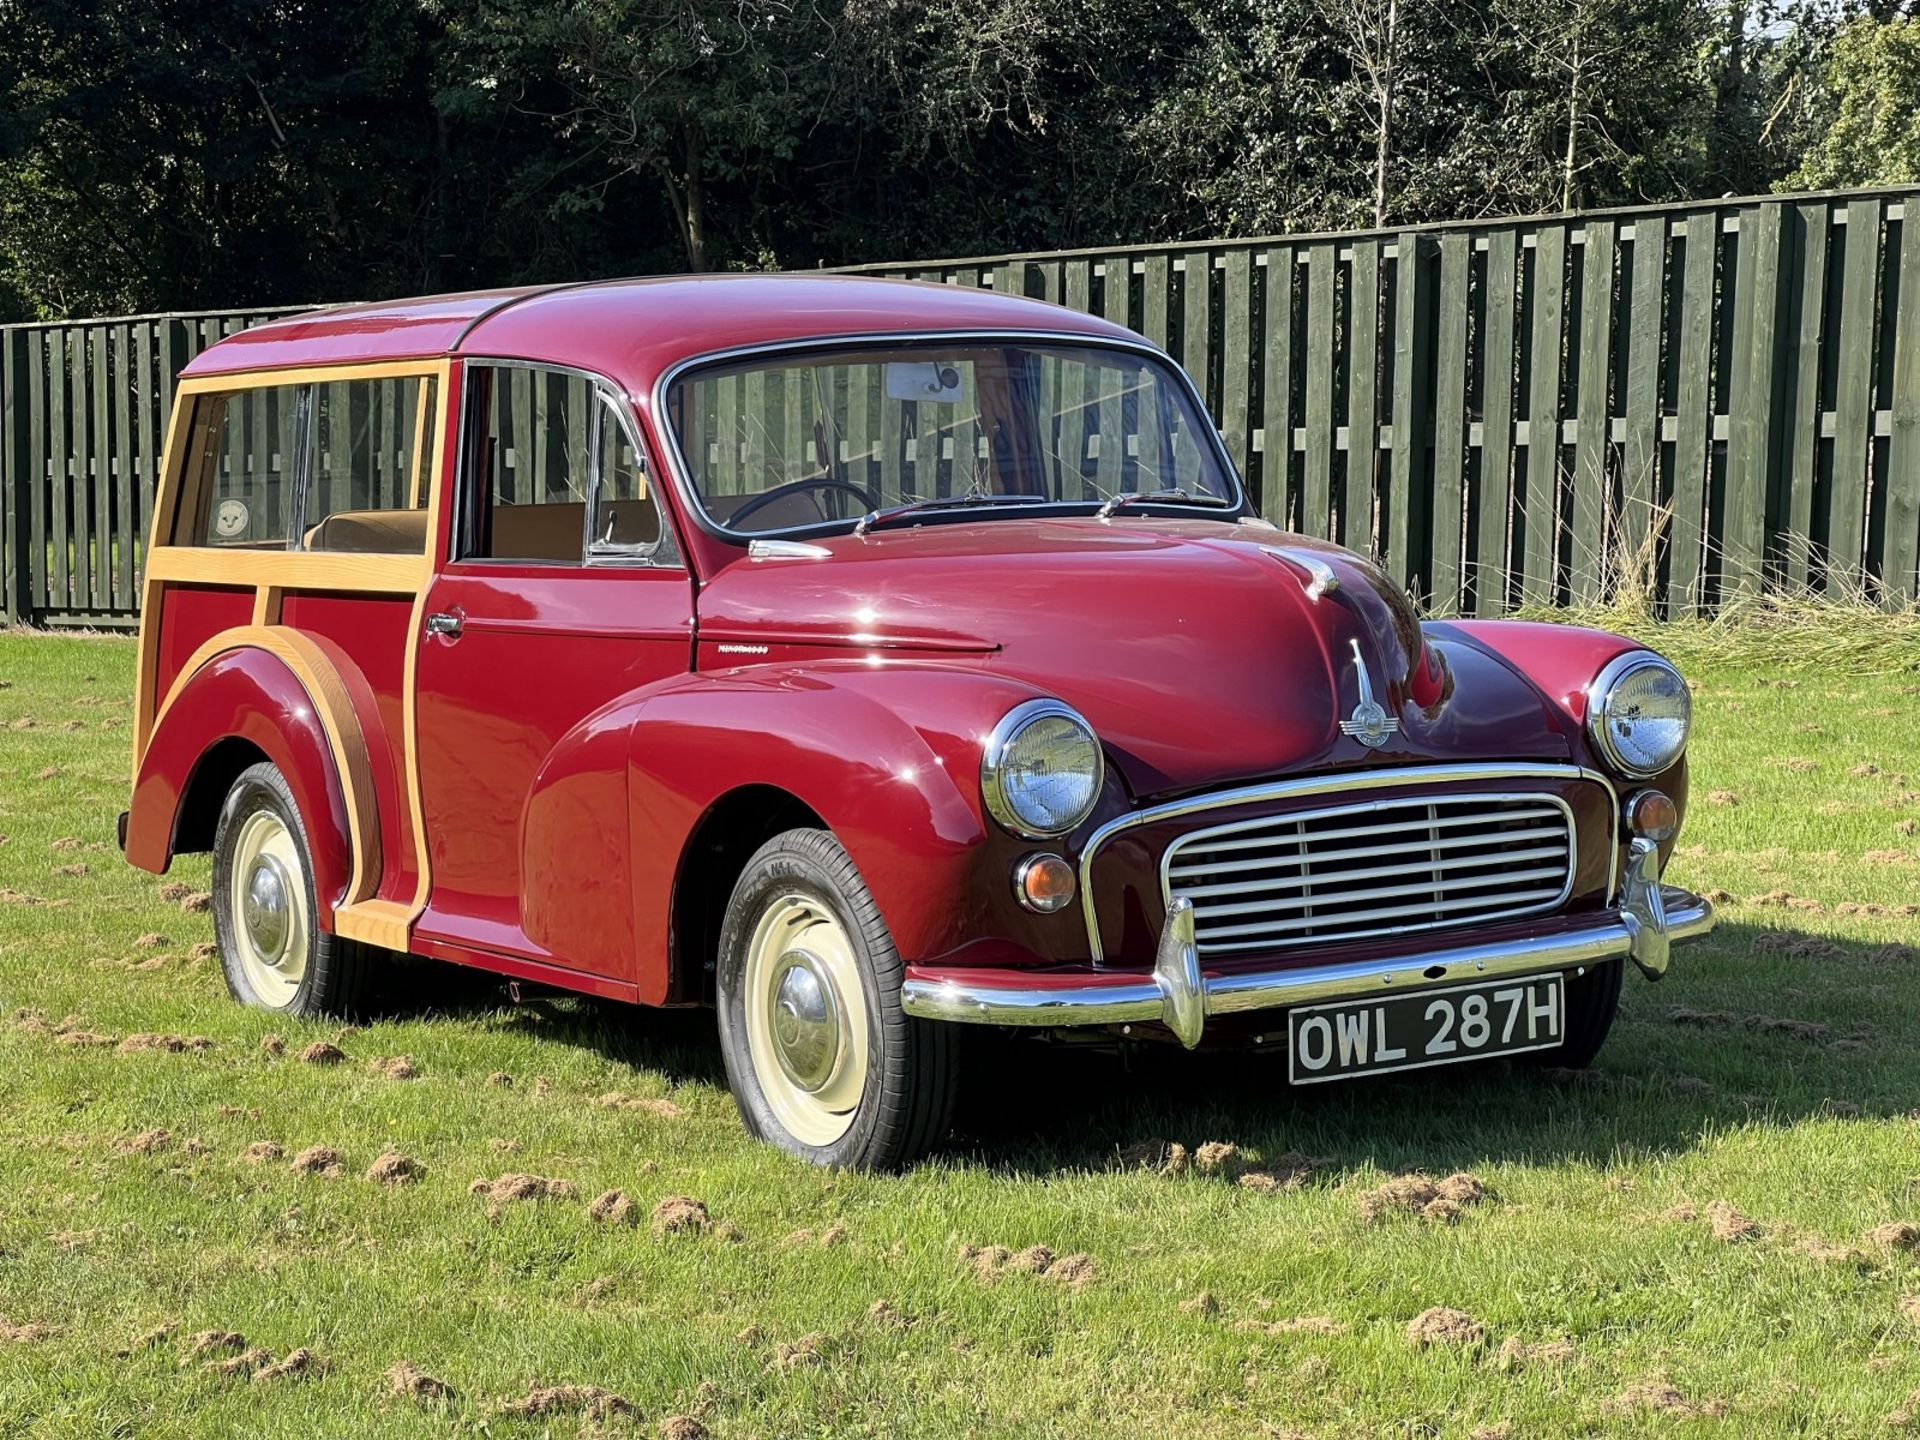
(182, 153)
(1865, 126)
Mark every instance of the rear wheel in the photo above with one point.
(821, 1059)
(272, 949)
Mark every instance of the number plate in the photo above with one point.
(1430, 1027)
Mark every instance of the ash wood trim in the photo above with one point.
(334, 709)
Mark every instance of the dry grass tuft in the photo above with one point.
(321, 1160)
(1729, 1225)
(147, 1142)
(809, 1349)
(652, 1105)
(1895, 1235)
(146, 1042)
(208, 1342)
(990, 1262)
(614, 1207)
(1661, 1396)
(1294, 1325)
(409, 1382)
(1441, 1201)
(301, 1362)
(1217, 1157)
(393, 1168)
(680, 1214)
(516, 1185)
(1517, 1354)
(1440, 1326)
(594, 1402)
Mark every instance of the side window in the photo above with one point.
(246, 451)
(551, 473)
(365, 490)
(332, 467)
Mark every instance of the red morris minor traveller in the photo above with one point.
(865, 660)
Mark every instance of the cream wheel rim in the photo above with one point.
(267, 909)
(806, 1013)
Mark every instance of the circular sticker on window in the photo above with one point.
(230, 519)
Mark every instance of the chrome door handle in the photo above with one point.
(441, 623)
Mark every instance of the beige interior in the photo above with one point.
(520, 532)
(371, 532)
(539, 532)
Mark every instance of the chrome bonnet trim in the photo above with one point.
(1348, 782)
(1180, 995)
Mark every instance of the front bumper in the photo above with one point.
(1649, 920)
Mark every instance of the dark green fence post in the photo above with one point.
(13, 476)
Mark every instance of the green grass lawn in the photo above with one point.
(1807, 793)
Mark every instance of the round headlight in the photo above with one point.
(1041, 770)
(1638, 713)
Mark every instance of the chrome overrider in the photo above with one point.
(1649, 920)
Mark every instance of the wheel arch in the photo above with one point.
(197, 814)
(885, 758)
(723, 839)
(237, 704)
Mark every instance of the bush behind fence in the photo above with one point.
(1685, 401)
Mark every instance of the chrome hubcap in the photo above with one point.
(806, 1018)
(806, 1021)
(264, 910)
(269, 931)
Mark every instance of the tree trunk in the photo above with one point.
(1722, 146)
(1389, 75)
(695, 217)
(1569, 166)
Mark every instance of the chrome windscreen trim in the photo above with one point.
(1345, 782)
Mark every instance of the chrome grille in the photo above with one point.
(1383, 867)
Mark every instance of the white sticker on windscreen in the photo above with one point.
(911, 380)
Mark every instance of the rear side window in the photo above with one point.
(553, 473)
(340, 466)
(246, 451)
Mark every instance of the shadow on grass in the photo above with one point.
(1032, 1107)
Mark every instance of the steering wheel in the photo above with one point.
(795, 487)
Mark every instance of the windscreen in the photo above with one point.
(792, 441)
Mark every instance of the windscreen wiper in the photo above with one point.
(942, 502)
(1171, 496)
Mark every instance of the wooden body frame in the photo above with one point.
(273, 576)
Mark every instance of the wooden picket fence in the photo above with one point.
(1686, 402)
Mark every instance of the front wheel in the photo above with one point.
(274, 953)
(821, 1058)
(1593, 1000)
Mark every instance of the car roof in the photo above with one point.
(632, 330)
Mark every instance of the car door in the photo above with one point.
(564, 590)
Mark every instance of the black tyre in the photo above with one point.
(1593, 999)
(820, 1057)
(274, 953)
